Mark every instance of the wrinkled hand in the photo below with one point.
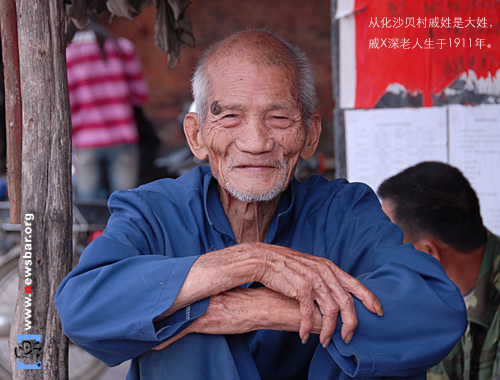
(309, 280)
(242, 310)
(287, 275)
(223, 316)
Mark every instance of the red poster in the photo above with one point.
(435, 52)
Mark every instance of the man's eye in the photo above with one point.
(279, 121)
(230, 120)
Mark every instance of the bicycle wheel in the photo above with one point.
(82, 365)
(8, 296)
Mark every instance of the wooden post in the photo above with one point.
(13, 112)
(46, 222)
(338, 113)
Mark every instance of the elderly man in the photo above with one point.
(212, 275)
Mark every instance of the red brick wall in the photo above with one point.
(306, 23)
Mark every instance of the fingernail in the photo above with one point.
(378, 308)
(306, 338)
(348, 338)
(326, 343)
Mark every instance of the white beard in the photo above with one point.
(248, 197)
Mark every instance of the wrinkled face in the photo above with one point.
(254, 133)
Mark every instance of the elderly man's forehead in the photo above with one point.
(254, 47)
(260, 44)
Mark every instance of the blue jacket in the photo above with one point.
(134, 271)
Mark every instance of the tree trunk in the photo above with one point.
(13, 112)
(46, 224)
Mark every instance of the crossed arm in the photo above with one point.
(301, 293)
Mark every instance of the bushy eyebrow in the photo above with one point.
(224, 107)
(283, 105)
(228, 106)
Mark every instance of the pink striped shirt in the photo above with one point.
(103, 92)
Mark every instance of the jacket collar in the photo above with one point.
(482, 308)
(217, 219)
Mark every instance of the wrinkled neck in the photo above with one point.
(249, 221)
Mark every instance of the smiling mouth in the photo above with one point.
(256, 167)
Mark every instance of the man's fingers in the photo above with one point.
(311, 279)
(329, 324)
(349, 322)
(329, 308)
(343, 304)
(306, 318)
(358, 290)
(296, 281)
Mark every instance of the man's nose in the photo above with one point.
(255, 137)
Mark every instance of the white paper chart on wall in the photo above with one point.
(474, 143)
(382, 142)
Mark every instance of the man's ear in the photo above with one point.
(312, 139)
(429, 246)
(193, 135)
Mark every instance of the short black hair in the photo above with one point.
(435, 198)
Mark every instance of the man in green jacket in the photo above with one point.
(439, 213)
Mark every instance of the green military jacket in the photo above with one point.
(476, 355)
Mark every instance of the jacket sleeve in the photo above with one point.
(424, 312)
(132, 261)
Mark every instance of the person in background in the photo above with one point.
(439, 213)
(106, 81)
